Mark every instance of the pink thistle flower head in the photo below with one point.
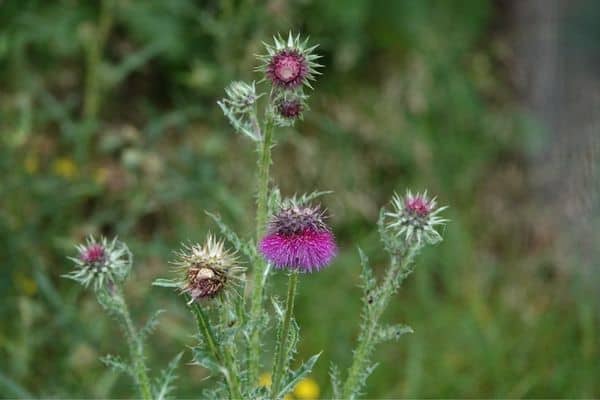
(204, 270)
(289, 64)
(414, 218)
(289, 108)
(298, 239)
(99, 262)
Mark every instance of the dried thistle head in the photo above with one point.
(289, 64)
(414, 218)
(298, 238)
(100, 262)
(206, 269)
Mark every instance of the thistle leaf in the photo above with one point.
(336, 382)
(293, 377)
(392, 332)
(167, 377)
(116, 364)
(150, 325)
(246, 248)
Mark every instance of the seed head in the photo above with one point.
(100, 262)
(414, 218)
(299, 239)
(289, 64)
(205, 270)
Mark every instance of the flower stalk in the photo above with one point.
(283, 335)
(136, 347)
(400, 268)
(260, 267)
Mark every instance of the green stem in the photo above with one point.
(260, 267)
(95, 46)
(397, 272)
(278, 366)
(224, 358)
(136, 349)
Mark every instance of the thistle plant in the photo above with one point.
(237, 318)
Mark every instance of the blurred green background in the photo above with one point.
(109, 125)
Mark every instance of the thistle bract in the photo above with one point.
(299, 239)
(289, 64)
(205, 270)
(100, 262)
(414, 218)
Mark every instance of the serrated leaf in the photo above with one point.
(246, 248)
(368, 281)
(116, 364)
(168, 283)
(291, 379)
(150, 325)
(336, 382)
(392, 332)
(167, 377)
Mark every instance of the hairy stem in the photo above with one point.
(136, 348)
(224, 358)
(260, 267)
(396, 273)
(278, 366)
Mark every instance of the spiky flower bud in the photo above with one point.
(100, 262)
(239, 107)
(299, 239)
(289, 109)
(414, 218)
(205, 270)
(290, 63)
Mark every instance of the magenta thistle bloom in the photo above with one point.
(298, 239)
(415, 218)
(289, 108)
(289, 64)
(99, 262)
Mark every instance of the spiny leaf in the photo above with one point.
(336, 382)
(150, 325)
(392, 332)
(246, 248)
(291, 379)
(167, 377)
(116, 364)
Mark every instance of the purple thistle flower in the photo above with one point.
(290, 109)
(287, 69)
(298, 239)
(94, 253)
(290, 63)
(100, 262)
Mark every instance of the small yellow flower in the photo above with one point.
(31, 164)
(307, 389)
(265, 379)
(65, 167)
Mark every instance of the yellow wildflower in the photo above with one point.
(265, 379)
(65, 167)
(307, 389)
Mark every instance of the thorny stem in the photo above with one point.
(397, 272)
(256, 306)
(135, 348)
(224, 358)
(283, 335)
